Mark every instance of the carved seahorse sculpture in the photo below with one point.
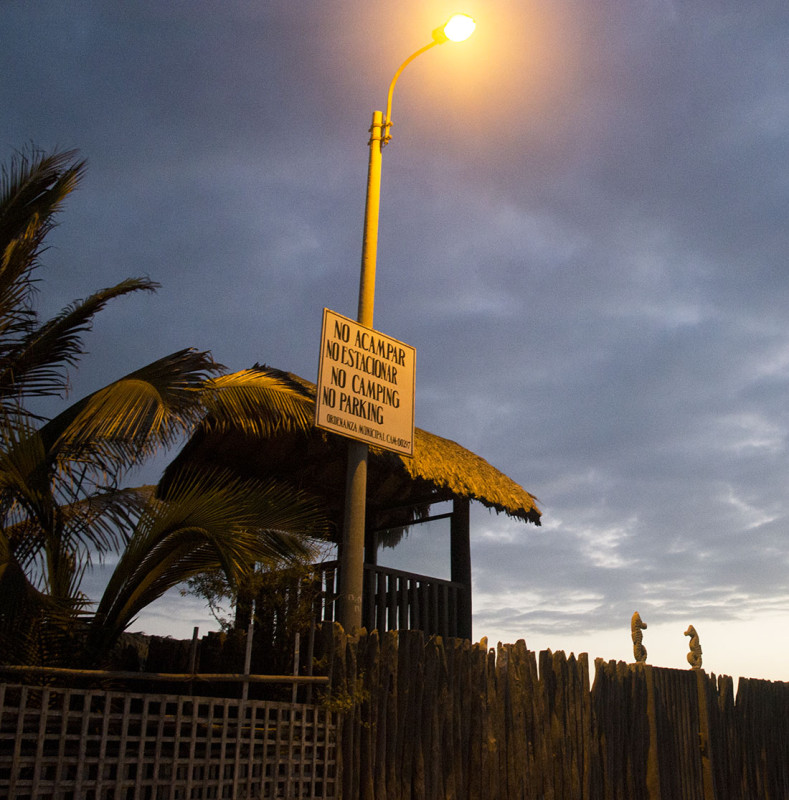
(636, 626)
(694, 656)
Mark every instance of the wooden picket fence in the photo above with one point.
(433, 719)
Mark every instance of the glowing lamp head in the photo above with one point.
(457, 29)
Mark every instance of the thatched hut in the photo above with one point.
(400, 493)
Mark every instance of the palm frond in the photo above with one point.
(20, 610)
(123, 423)
(44, 508)
(35, 627)
(103, 521)
(211, 521)
(32, 191)
(24, 541)
(17, 316)
(25, 489)
(107, 517)
(35, 185)
(259, 401)
(38, 365)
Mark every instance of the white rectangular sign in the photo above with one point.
(365, 385)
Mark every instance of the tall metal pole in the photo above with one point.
(352, 549)
(371, 212)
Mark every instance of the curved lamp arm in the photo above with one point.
(456, 29)
(388, 116)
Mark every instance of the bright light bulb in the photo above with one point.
(459, 28)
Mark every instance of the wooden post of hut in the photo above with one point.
(460, 537)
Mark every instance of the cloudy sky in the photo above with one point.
(583, 234)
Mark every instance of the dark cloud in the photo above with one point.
(583, 234)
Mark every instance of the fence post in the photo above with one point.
(193, 657)
(704, 737)
(653, 762)
(248, 653)
(296, 658)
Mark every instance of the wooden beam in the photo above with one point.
(162, 676)
(460, 538)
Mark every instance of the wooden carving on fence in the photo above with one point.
(694, 656)
(636, 626)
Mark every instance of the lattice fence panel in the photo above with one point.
(70, 744)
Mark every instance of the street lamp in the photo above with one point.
(456, 29)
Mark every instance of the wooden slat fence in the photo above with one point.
(432, 718)
(763, 719)
(427, 718)
(668, 733)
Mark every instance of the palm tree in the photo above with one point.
(211, 521)
(61, 499)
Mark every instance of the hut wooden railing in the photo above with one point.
(396, 600)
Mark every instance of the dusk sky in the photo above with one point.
(583, 234)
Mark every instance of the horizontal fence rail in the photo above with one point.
(167, 677)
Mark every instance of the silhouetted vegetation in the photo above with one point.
(62, 500)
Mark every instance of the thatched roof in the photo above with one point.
(399, 489)
(450, 467)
